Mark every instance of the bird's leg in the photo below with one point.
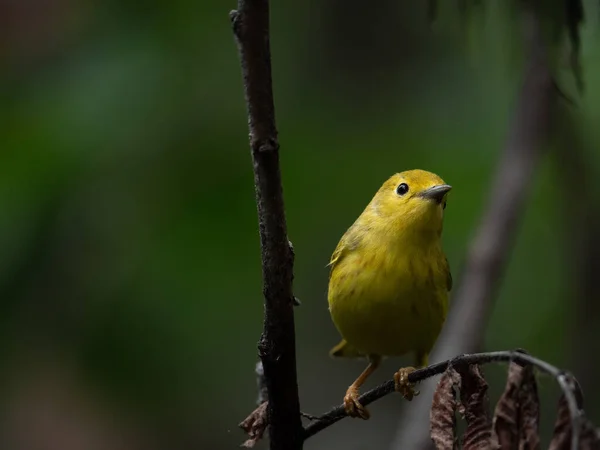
(401, 383)
(351, 404)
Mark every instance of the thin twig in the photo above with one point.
(490, 248)
(569, 388)
(277, 346)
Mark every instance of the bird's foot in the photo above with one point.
(402, 385)
(352, 405)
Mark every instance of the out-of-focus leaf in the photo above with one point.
(442, 421)
(473, 395)
(432, 10)
(574, 16)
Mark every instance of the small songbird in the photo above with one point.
(389, 280)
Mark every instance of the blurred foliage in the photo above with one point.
(131, 285)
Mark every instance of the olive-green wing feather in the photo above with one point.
(337, 254)
(348, 242)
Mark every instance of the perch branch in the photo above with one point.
(487, 255)
(277, 347)
(567, 383)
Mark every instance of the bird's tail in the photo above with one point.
(344, 350)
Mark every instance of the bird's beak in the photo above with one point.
(436, 192)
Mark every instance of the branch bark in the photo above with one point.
(277, 347)
(489, 250)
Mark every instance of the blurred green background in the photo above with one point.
(130, 280)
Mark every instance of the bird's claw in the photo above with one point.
(402, 385)
(353, 407)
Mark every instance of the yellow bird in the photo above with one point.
(389, 279)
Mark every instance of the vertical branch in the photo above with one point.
(489, 250)
(277, 344)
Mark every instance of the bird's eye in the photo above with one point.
(402, 189)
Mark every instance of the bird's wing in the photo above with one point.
(348, 243)
(337, 255)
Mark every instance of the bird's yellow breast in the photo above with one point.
(389, 298)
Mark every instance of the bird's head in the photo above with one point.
(412, 201)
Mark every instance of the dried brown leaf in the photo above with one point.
(589, 437)
(473, 395)
(255, 425)
(506, 414)
(529, 411)
(561, 437)
(442, 421)
(516, 418)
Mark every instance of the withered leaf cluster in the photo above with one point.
(515, 423)
(255, 425)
